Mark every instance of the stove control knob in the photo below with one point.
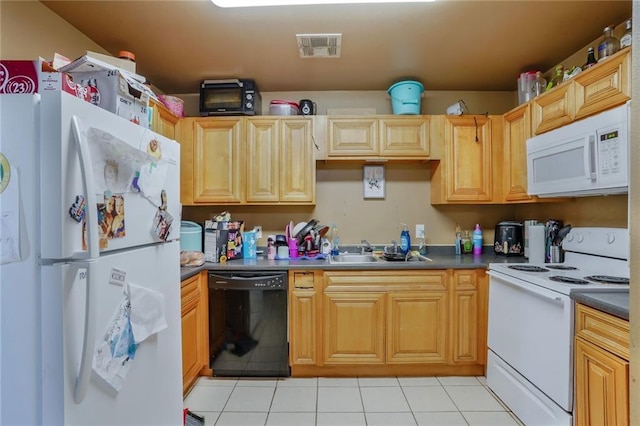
(580, 238)
(569, 237)
(611, 238)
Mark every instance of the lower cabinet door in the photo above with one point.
(302, 327)
(354, 328)
(602, 396)
(416, 327)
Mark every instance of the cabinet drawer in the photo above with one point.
(303, 279)
(604, 330)
(190, 291)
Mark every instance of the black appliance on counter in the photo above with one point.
(248, 323)
(230, 97)
(509, 239)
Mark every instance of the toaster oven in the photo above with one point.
(230, 97)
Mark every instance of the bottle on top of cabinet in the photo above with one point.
(591, 59)
(626, 39)
(556, 79)
(609, 45)
(539, 84)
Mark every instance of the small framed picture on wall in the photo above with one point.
(374, 185)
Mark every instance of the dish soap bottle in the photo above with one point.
(405, 239)
(477, 240)
(335, 240)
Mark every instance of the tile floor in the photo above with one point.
(433, 401)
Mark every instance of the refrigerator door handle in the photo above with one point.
(89, 336)
(90, 189)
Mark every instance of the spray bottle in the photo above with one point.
(477, 240)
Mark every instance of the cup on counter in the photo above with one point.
(293, 248)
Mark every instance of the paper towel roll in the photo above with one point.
(527, 224)
(536, 243)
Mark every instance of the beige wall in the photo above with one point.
(29, 30)
(432, 102)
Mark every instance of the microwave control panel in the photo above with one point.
(609, 152)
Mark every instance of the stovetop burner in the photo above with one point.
(562, 267)
(608, 279)
(568, 280)
(528, 268)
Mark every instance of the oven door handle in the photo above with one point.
(528, 289)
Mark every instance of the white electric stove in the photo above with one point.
(531, 320)
(595, 259)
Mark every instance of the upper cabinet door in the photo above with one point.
(218, 171)
(606, 85)
(297, 169)
(468, 158)
(163, 121)
(404, 136)
(352, 136)
(553, 109)
(517, 129)
(262, 160)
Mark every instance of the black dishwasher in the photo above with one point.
(248, 323)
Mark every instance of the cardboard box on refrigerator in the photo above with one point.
(37, 76)
(118, 91)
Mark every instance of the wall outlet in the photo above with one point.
(258, 230)
(420, 231)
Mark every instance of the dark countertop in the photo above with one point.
(441, 258)
(614, 302)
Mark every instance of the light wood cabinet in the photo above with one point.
(304, 287)
(468, 171)
(601, 87)
(469, 313)
(601, 368)
(353, 327)
(195, 329)
(163, 121)
(212, 160)
(415, 322)
(378, 138)
(416, 327)
(239, 160)
(516, 130)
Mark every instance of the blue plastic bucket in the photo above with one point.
(190, 236)
(405, 97)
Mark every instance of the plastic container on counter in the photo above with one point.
(278, 107)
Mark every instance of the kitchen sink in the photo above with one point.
(353, 258)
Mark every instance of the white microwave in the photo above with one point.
(588, 157)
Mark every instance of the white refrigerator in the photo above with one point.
(90, 326)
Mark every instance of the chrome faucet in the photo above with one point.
(366, 246)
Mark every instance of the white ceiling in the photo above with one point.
(447, 45)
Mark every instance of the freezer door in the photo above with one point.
(122, 174)
(151, 392)
(19, 275)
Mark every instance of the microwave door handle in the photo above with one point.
(590, 158)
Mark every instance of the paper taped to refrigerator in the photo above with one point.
(115, 352)
(147, 312)
(10, 221)
(115, 162)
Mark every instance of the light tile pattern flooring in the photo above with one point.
(393, 401)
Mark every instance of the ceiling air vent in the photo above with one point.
(319, 45)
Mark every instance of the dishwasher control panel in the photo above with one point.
(245, 280)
